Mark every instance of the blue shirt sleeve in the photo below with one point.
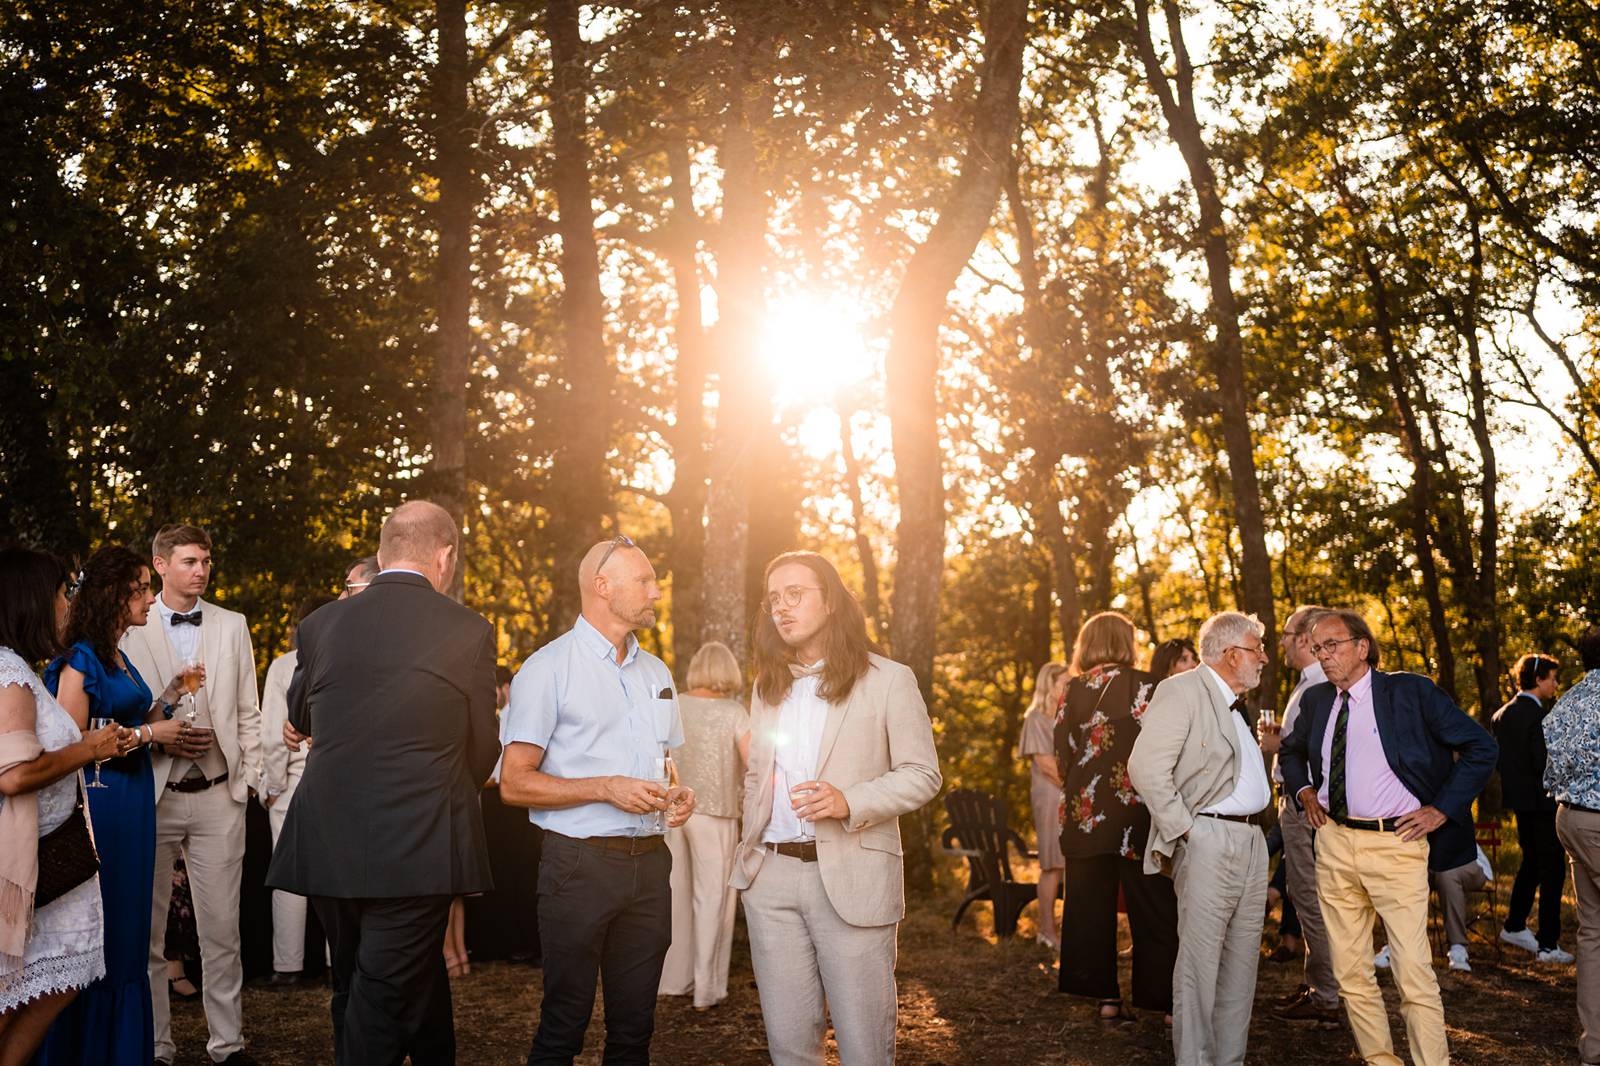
(530, 715)
(81, 658)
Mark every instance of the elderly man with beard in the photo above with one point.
(1198, 767)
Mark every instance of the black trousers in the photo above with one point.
(391, 995)
(1089, 930)
(604, 914)
(503, 923)
(1543, 869)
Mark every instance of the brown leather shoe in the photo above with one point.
(1300, 992)
(1307, 1011)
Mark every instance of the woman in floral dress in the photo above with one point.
(1103, 829)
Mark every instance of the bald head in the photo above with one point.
(620, 595)
(420, 535)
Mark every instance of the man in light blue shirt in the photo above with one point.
(591, 718)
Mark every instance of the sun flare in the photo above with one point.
(814, 349)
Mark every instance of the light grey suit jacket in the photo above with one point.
(877, 748)
(229, 698)
(1185, 759)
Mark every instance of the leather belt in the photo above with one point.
(1371, 825)
(805, 851)
(1246, 819)
(639, 845)
(196, 784)
(1578, 807)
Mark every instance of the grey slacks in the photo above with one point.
(1300, 871)
(1221, 878)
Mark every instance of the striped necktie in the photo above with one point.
(1338, 802)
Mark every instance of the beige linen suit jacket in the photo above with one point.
(877, 748)
(1185, 759)
(228, 699)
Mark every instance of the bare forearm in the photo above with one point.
(535, 788)
(48, 768)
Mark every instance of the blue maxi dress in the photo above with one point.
(110, 1022)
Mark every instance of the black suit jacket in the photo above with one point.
(1438, 752)
(396, 688)
(1519, 728)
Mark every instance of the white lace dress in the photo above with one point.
(66, 939)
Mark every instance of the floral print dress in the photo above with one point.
(1096, 725)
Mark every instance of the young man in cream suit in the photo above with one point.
(841, 746)
(1198, 767)
(202, 784)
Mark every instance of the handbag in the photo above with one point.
(66, 858)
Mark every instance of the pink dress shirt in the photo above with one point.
(1371, 788)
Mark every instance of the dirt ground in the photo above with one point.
(964, 998)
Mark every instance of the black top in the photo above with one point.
(1442, 756)
(1095, 729)
(396, 688)
(1519, 727)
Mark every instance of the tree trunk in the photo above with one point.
(687, 498)
(1183, 124)
(913, 368)
(453, 169)
(741, 303)
(871, 599)
(579, 495)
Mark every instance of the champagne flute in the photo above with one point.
(189, 680)
(98, 723)
(665, 771)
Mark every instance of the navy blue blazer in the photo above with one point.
(1436, 749)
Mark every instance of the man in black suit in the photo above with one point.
(1519, 727)
(397, 689)
(1380, 763)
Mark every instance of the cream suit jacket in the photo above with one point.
(877, 748)
(1185, 759)
(228, 699)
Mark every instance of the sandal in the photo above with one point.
(176, 986)
(1118, 1016)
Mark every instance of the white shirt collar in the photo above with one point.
(168, 612)
(401, 570)
(1313, 674)
(1228, 695)
(1532, 697)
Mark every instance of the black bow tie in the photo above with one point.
(190, 619)
(1237, 705)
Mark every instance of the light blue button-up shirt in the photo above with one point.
(593, 718)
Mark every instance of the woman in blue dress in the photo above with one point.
(110, 1022)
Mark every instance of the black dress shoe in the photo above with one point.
(284, 979)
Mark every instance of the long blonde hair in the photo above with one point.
(1043, 684)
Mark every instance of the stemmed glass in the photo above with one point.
(189, 679)
(98, 723)
(664, 774)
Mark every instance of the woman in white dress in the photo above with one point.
(47, 953)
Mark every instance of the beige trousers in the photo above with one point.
(288, 909)
(1579, 832)
(1362, 876)
(702, 909)
(1453, 886)
(207, 828)
(810, 963)
(1300, 871)
(1220, 874)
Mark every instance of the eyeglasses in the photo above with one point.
(1257, 650)
(618, 541)
(1330, 646)
(355, 586)
(790, 597)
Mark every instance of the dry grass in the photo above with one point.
(964, 998)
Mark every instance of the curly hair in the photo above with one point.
(99, 613)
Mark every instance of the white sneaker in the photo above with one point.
(1381, 959)
(1555, 955)
(1458, 958)
(1522, 938)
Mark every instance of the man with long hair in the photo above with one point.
(841, 747)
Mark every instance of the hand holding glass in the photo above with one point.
(665, 772)
(99, 723)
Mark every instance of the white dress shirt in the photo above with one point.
(801, 718)
(185, 638)
(1251, 793)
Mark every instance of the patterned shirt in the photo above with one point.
(1098, 722)
(1572, 733)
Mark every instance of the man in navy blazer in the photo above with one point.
(1382, 764)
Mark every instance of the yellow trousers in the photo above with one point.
(1363, 876)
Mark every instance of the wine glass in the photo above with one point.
(189, 680)
(98, 723)
(665, 771)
